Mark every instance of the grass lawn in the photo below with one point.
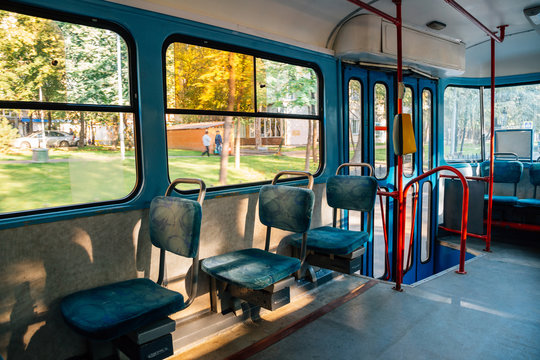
(93, 175)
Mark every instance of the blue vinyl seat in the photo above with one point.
(284, 207)
(110, 311)
(342, 192)
(506, 172)
(260, 277)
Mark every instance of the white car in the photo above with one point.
(53, 138)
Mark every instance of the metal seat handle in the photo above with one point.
(366, 165)
(297, 173)
(202, 187)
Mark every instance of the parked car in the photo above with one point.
(53, 138)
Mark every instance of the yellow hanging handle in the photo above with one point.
(404, 141)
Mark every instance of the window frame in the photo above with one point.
(257, 54)
(132, 108)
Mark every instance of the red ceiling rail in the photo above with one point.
(475, 21)
(376, 11)
(500, 39)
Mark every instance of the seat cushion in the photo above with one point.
(286, 207)
(507, 200)
(330, 240)
(109, 311)
(251, 268)
(529, 202)
(351, 192)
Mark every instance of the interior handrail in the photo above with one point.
(514, 155)
(464, 215)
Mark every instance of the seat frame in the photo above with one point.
(348, 263)
(155, 337)
(224, 297)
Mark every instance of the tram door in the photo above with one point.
(370, 105)
(417, 259)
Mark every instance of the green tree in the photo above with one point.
(32, 66)
(91, 64)
(7, 134)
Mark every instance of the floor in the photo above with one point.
(492, 312)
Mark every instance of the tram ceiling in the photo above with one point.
(313, 24)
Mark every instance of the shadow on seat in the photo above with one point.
(134, 313)
(258, 276)
(332, 247)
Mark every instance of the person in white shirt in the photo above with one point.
(206, 142)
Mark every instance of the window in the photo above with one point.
(381, 131)
(408, 103)
(516, 107)
(427, 152)
(410, 227)
(425, 231)
(355, 122)
(379, 242)
(462, 125)
(234, 118)
(66, 114)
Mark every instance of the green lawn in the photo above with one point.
(97, 175)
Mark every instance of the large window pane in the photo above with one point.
(427, 153)
(355, 122)
(258, 148)
(53, 61)
(462, 127)
(208, 79)
(408, 160)
(381, 131)
(204, 86)
(516, 107)
(55, 155)
(286, 88)
(44, 168)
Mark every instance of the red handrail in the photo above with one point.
(464, 216)
(500, 39)
(476, 22)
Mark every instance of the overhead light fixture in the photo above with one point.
(436, 25)
(533, 14)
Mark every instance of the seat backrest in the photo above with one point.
(175, 225)
(286, 207)
(508, 172)
(351, 192)
(534, 174)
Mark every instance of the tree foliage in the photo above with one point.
(7, 134)
(31, 57)
(66, 63)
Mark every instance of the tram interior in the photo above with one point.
(356, 179)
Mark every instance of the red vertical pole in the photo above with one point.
(491, 147)
(401, 201)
